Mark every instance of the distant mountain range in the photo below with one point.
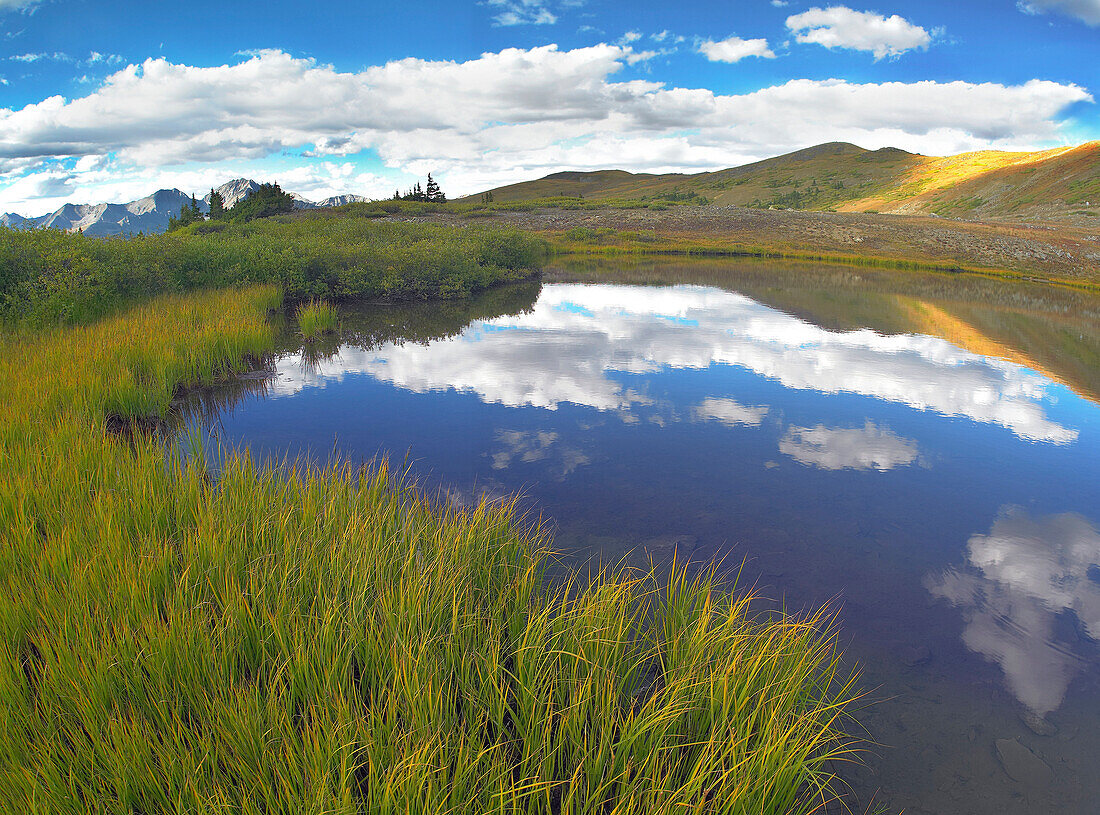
(1063, 183)
(150, 214)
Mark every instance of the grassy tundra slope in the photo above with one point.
(1063, 183)
(271, 640)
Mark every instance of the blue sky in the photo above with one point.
(110, 101)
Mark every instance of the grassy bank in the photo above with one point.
(47, 276)
(273, 640)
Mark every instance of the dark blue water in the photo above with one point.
(944, 493)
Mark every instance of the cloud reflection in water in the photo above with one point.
(729, 412)
(528, 446)
(1024, 574)
(856, 448)
(564, 349)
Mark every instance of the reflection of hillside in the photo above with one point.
(1065, 345)
(363, 326)
(1057, 350)
(1041, 327)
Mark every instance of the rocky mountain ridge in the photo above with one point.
(149, 214)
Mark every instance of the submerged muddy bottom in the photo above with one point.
(924, 453)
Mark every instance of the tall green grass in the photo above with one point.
(286, 640)
(316, 318)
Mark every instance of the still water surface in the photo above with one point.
(924, 452)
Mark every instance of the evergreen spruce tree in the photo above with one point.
(187, 216)
(217, 205)
(432, 191)
(266, 200)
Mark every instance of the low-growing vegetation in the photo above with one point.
(48, 276)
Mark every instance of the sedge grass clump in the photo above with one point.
(286, 640)
(315, 319)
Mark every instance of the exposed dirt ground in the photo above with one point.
(1044, 251)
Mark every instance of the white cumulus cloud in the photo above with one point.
(56, 56)
(527, 446)
(735, 49)
(842, 27)
(729, 412)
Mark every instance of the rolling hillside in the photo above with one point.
(1063, 183)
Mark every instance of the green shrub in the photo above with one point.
(264, 202)
(587, 234)
(581, 234)
(209, 227)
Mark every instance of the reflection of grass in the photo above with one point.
(287, 641)
(316, 318)
(314, 353)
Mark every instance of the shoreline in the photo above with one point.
(307, 638)
(1050, 253)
